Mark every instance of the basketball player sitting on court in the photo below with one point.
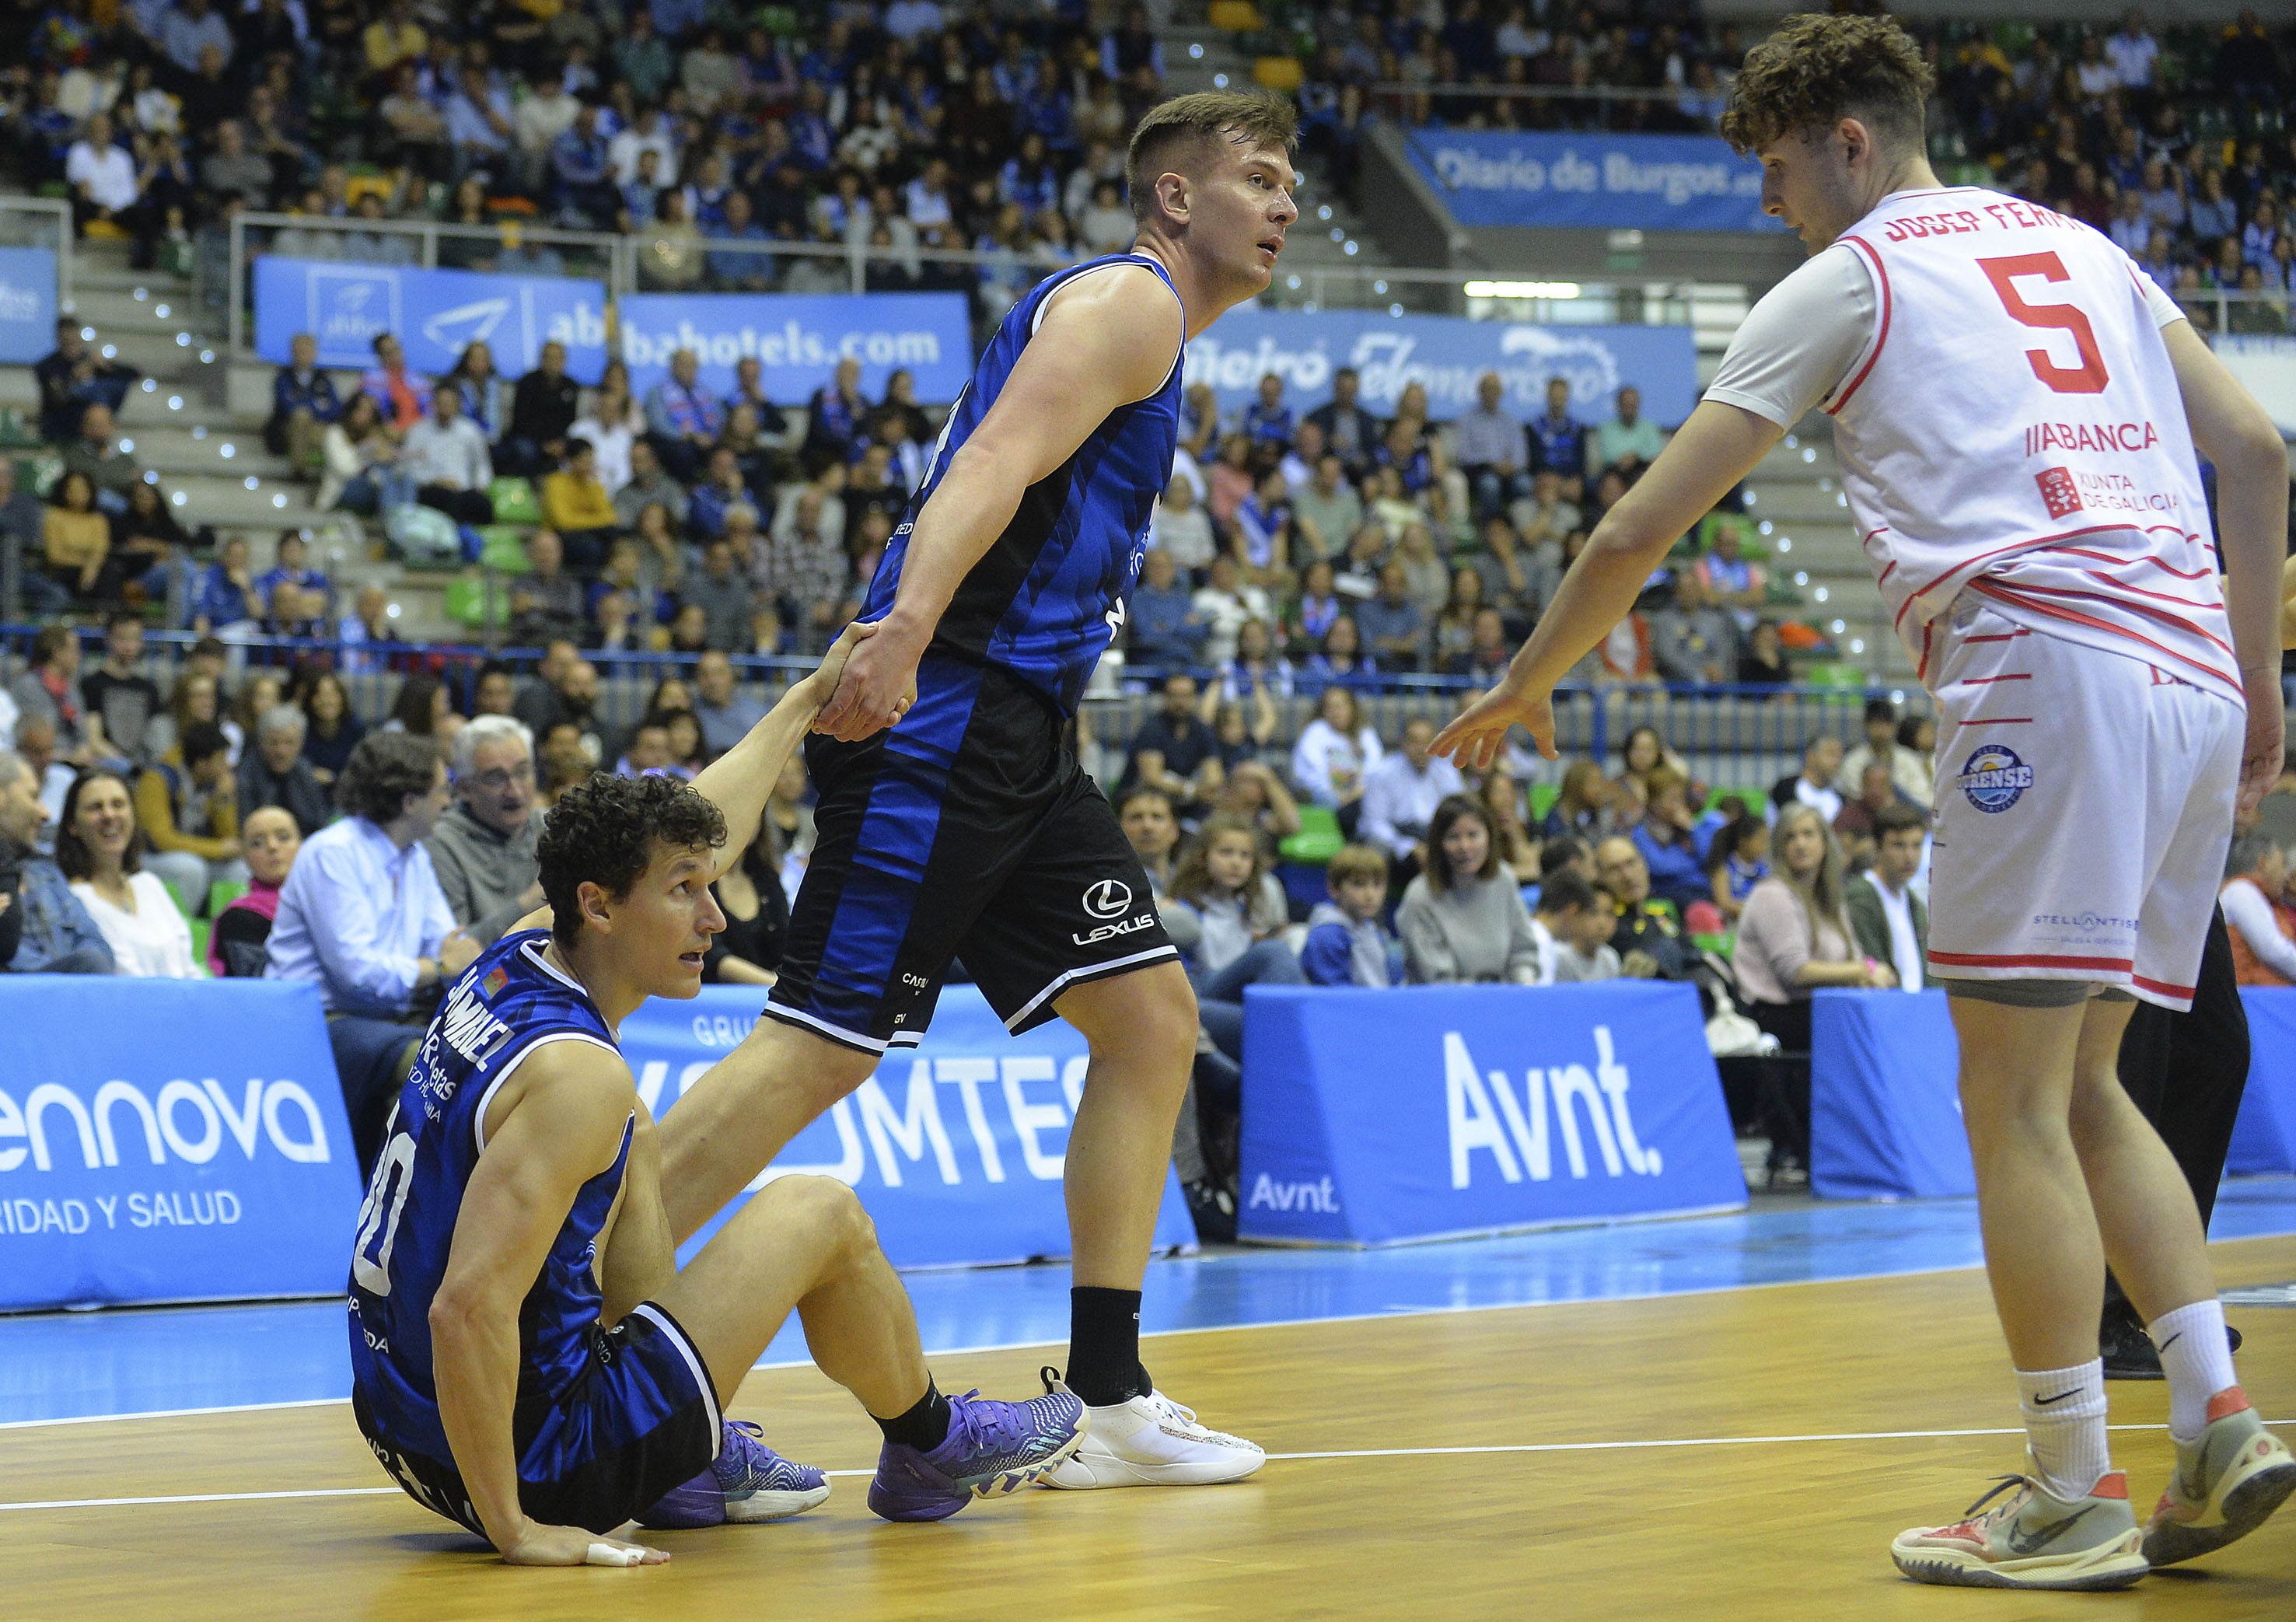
(527, 1358)
(2016, 406)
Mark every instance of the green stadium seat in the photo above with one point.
(1318, 840)
(466, 605)
(1756, 799)
(200, 942)
(514, 501)
(1721, 946)
(504, 549)
(221, 895)
(175, 896)
(1543, 795)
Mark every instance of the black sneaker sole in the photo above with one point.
(2247, 1507)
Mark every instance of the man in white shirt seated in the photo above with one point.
(1400, 795)
(362, 916)
(446, 455)
(101, 175)
(1821, 766)
(1890, 921)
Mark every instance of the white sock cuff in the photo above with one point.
(2196, 1315)
(2087, 1378)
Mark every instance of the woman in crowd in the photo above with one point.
(420, 707)
(1794, 935)
(612, 425)
(1644, 752)
(145, 535)
(1222, 885)
(1518, 848)
(334, 732)
(790, 808)
(360, 457)
(271, 839)
(1739, 860)
(1335, 752)
(78, 539)
(1462, 920)
(1257, 671)
(1454, 627)
(194, 697)
(100, 849)
(1668, 844)
(1582, 810)
(1340, 660)
(1317, 609)
(749, 950)
(1763, 664)
(486, 397)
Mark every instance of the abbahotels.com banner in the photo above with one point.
(169, 1140)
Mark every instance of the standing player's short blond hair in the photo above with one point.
(1818, 68)
(1186, 126)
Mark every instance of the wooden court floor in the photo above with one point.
(1686, 1457)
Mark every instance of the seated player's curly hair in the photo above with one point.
(603, 831)
(1817, 69)
(382, 770)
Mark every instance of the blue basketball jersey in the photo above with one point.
(504, 1006)
(1048, 595)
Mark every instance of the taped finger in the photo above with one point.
(613, 1554)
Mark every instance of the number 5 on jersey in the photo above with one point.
(2090, 376)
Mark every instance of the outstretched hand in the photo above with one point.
(1478, 732)
(873, 685)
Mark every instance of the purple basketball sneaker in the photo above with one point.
(749, 1482)
(991, 1448)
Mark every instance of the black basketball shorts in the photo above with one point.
(641, 1418)
(967, 831)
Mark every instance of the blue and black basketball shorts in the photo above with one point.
(969, 831)
(638, 1419)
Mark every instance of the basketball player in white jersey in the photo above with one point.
(2016, 408)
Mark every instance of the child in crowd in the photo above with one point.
(1572, 928)
(1346, 944)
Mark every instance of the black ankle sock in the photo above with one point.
(924, 1427)
(1104, 1346)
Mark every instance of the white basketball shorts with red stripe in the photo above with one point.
(2083, 807)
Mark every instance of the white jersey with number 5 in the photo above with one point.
(2008, 423)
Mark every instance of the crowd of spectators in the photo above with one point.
(897, 129)
(1295, 552)
(2176, 144)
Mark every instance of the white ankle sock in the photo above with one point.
(2197, 1358)
(2064, 1417)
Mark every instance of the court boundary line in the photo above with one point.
(1631, 1446)
(1206, 1328)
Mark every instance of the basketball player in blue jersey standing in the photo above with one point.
(528, 1359)
(954, 821)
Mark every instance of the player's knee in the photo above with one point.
(831, 1212)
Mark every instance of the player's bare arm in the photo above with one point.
(1107, 340)
(2234, 432)
(740, 781)
(2288, 604)
(557, 1122)
(1717, 448)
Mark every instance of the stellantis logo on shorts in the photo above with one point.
(1107, 898)
(1994, 779)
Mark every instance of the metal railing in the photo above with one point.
(1394, 95)
(57, 236)
(1731, 736)
(621, 261)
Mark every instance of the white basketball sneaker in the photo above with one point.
(1151, 1441)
